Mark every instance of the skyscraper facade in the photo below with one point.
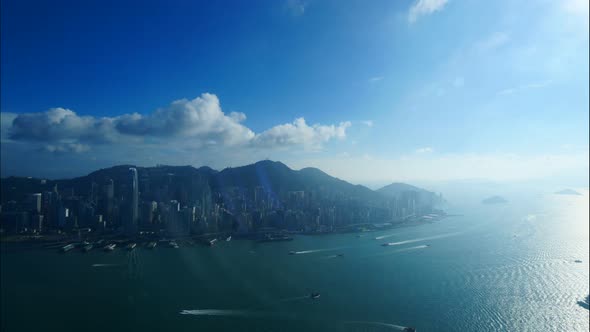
(130, 223)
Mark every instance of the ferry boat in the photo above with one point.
(131, 246)
(152, 245)
(110, 247)
(67, 248)
(87, 247)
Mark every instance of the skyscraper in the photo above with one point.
(130, 224)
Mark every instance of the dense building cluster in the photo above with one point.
(183, 200)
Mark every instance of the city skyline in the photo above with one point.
(370, 95)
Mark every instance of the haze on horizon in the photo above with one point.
(423, 90)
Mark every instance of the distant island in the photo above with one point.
(494, 200)
(264, 200)
(567, 192)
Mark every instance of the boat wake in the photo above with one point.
(303, 252)
(216, 312)
(423, 239)
(105, 265)
(392, 326)
(398, 251)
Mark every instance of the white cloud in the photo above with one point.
(60, 124)
(424, 7)
(6, 119)
(299, 133)
(200, 118)
(67, 147)
(368, 123)
(424, 150)
(192, 124)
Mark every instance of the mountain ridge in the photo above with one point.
(273, 175)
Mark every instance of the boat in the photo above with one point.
(87, 247)
(131, 246)
(212, 242)
(173, 244)
(409, 329)
(110, 247)
(578, 261)
(152, 245)
(274, 238)
(314, 296)
(67, 247)
(99, 242)
(385, 245)
(292, 253)
(228, 238)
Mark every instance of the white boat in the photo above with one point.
(67, 248)
(152, 245)
(110, 247)
(228, 238)
(131, 246)
(212, 242)
(173, 244)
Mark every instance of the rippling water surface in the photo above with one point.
(496, 268)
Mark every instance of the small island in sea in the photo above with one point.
(567, 192)
(494, 200)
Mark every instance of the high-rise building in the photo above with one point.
(130, 222)
(33, 203)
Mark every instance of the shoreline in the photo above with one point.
(57, 241)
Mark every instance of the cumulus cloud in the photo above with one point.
(196, 123)
(66, 147)
(200, 118)
(6, 120)
(424, 7)
(300, 133)
(59, 124)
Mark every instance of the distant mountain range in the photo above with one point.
(567, 192)
(274, 176)
(494, 200)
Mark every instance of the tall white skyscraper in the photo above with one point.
(131, 223)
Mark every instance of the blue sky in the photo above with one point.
(388, 90)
